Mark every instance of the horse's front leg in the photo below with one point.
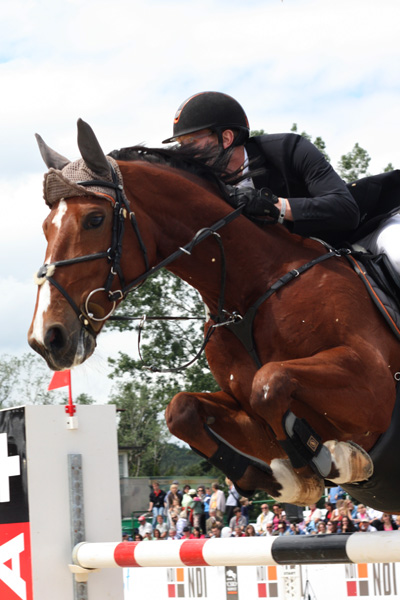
(216, 426)
(329, 391)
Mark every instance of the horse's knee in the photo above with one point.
(181, 413)
(271, 389)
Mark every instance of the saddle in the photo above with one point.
(382, 283)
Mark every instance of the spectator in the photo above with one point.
(197, 511)
(232, 500)
(321, 527)
(238, 520)
(156, 534)
(181, 522)
(365, 525)
(264, 518)
(345, 525)
(197, 533)
(172, 535)
(137, 537)
(215, 531)
(238, 532)
(336, 494)
(156, 501)
(186, 535)
(212, 520)
(281, 528)
(173, 495)
(250, 531)
(279, 515)
(294, 529)
(312, 519)
(161, 527)
(329, 511)
(144, 527)
(331, 527)
(186, 498)
(361, 514)
(245, 506)
(217, 500)
(205, 502)
(269, 530)
(387, 523)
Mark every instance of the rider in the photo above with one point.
(298, 187)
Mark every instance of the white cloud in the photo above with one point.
(331, 66)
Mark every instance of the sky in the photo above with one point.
(331, 66)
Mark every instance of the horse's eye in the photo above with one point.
(93, 221)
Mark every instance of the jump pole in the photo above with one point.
(359, 547)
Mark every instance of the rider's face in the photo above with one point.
(199, 139)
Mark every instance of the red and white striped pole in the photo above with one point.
(359, 547)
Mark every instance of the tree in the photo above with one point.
(354, 164)
(23, 380)
(141, 426)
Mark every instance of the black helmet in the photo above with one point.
(210, 110)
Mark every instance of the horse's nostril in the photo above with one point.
(55, 338)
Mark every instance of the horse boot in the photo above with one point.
(234, 463)
(304, 447)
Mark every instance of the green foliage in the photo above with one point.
(141, 427)
(318, 141)
(388, 168)
(24, 380)
(84, 399)
(255, 132)
(354, 164)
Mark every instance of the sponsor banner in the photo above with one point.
(330, 582)
(15, 542)
(15, 562)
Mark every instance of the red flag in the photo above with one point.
(63, 379)
(60, 379)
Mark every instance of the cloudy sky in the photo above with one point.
(332, 66)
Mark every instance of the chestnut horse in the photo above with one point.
(318, 389)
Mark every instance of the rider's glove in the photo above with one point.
(257, 203)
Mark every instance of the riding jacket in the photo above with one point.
(322, 204)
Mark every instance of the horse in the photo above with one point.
(307, 378)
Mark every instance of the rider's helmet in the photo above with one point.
(210, 110)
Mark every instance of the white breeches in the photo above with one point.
(385, 240)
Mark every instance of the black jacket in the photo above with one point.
(321, 202)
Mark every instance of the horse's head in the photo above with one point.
(80, 276)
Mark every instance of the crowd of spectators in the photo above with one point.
(209, 512)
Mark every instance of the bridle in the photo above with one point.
(121, 210)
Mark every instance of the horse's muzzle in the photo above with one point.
(64, 349)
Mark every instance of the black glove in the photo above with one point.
(257, 203)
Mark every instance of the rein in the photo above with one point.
(241, 326)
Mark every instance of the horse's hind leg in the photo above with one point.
(216, 427)
(328, 391)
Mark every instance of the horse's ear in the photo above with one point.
(51, 158)
(91, 150)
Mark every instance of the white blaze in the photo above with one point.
(44, 299)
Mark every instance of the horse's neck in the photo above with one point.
(176, 207)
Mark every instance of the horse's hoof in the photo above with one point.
(350, 462)
(297, 488)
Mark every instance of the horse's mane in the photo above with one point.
(209, 163)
